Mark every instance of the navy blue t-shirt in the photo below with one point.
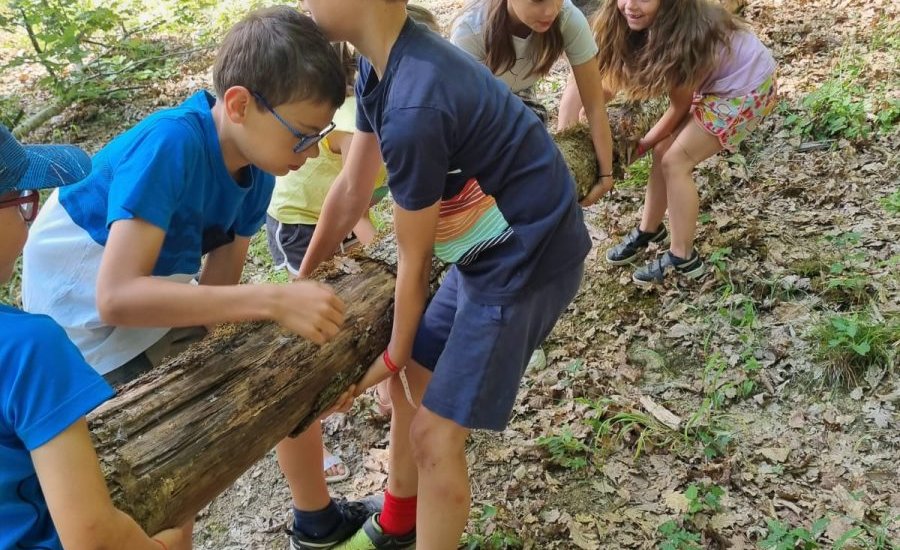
(451, 131)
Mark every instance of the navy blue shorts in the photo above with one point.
(478, 352)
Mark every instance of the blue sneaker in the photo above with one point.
(657, 270)
(355, 515)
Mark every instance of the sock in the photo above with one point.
(320, 523)
(399, 514)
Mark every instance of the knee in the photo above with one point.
(673, 162)
(430, 446)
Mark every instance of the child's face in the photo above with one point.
(270, 144)
(13, 232)
(537, 15)
(332, 16)
(639, 14)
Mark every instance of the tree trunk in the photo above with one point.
(175, 438)
(628, 121)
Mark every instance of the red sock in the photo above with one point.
(399, 514)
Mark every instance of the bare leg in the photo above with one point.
(403, 478)
(570, 106)
(692, 145)
(655, 202)
(444, 491)
(300, 460)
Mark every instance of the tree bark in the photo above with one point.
(174, 439)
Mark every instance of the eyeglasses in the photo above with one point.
(27, 201)
(306, 140)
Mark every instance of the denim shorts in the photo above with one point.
(478, 352)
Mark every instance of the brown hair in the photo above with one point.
(498, 40)
(423, 15)
(282, 55)
(679, 49)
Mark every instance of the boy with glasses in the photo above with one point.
(52, 492)
(175, 200)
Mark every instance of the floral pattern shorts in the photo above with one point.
(731, 119)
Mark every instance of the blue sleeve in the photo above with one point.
(253, 213)
(46, 384)
(363, 71)
(415, 143)
(149, 181)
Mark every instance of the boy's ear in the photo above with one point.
(237, 101)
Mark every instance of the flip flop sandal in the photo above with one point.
(330, 462)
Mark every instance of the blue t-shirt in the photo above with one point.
(169, 170)
(449, 130)
(45, 386)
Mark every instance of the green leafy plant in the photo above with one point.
(891, 203)
(867, 536)
(93, 49)
(676, 537)
(848, 344)
(565, 449)
(704, 498)
(784, 537)
(637, 174)
(842, 107)
(487, 535)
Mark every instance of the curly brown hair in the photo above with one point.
(679, 49)
(498, 41)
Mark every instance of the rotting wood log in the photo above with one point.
(628, 122)
(172, 440)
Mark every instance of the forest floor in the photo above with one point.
(756, 407)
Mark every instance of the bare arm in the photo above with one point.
(224, 265)
(346, 202)
(569, 105)
(76, 494)
(679, 106)
(590, 87)
(415, 241)
(127, 294)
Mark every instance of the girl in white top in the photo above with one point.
(519, 40)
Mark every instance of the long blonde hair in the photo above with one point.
(498, 39)
(679, 49)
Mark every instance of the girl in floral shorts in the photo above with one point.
(720, 81)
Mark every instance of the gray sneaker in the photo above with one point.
(656, 271)
(634, 244)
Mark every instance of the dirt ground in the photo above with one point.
(698, 415)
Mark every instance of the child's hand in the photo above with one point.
(377, 372)
(178, 538)
(344, 401)
(310, 309)
(602, 187)
(640, 149)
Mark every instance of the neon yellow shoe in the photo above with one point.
(371, 537)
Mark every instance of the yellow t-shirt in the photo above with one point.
(299, 196)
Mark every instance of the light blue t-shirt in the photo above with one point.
(45, 386)
(168, 170)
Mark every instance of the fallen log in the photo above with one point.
(628, 122)
(172, 440)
